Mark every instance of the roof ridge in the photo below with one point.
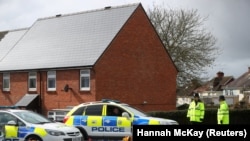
(89, 11)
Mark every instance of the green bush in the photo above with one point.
(236, 116)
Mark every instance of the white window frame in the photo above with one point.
(85, 75)
(32, 78)
(51, 75)
(6, 80)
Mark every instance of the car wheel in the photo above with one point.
(84, 134)
(33, 138)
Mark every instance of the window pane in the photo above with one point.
(32, 83)
(84, 72)
(94, 110)
(51, 83)
(32, 74)
(85, 79)
(51, 73)
(85, 82)
(6, 83)
(51, 80)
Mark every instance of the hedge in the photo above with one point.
(239, 116)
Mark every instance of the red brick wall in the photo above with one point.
(62, 99)
(18, 87)
(137, 68)
(50, 99)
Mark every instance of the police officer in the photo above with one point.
(223, 111)
(196, 110)
(116, 112)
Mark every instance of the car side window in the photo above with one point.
(114, 110)
(5, 118)
(95, 110)
(79, 111)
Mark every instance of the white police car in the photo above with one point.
(96, 120)
(25, 125)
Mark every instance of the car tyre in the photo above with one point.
(33, 138)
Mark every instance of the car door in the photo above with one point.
(114, 124)
(93, 120)
(3, 121)
(9, 126)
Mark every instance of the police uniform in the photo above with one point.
(196, 110)
(223, 111)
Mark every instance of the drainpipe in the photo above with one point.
(40, 97)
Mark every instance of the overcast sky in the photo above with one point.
(228, 21)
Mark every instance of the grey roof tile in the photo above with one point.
(72, 40)
(9, 40)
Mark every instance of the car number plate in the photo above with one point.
(76, 139)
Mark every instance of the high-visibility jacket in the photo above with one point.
(195, 111)
(128, 138)
(223, 113)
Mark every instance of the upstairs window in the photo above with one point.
(51, 80)
(32, 81)
(6, 81)
(85, 80)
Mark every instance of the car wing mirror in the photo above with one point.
(125, 114)
(12, 122)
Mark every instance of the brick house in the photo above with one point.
(240, 87)
(65, 60)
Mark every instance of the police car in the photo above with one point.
(25, 125)
(96, 120)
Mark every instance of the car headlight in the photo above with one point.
(163, 123)
(168, 123)
(54, 132)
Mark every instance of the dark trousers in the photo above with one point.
(195, 123)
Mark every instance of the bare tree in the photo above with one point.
(190, 46)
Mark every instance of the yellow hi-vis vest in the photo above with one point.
(196, 112)
(126, 138)
(223, 113)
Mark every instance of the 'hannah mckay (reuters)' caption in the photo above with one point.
(191, 132)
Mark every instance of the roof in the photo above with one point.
(241, 82)
(222, 82)
(26, 100)
(71, 40)
(9, 40)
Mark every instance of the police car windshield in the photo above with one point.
(136, 111)
(32, 117)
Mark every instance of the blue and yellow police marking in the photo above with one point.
(123, 122)
(40, 131)
(109, 121)
(11, 131)
(21, 132)
(24, 130)
(94, 121)
(146, 122)
(71, 120)
(153, 122)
